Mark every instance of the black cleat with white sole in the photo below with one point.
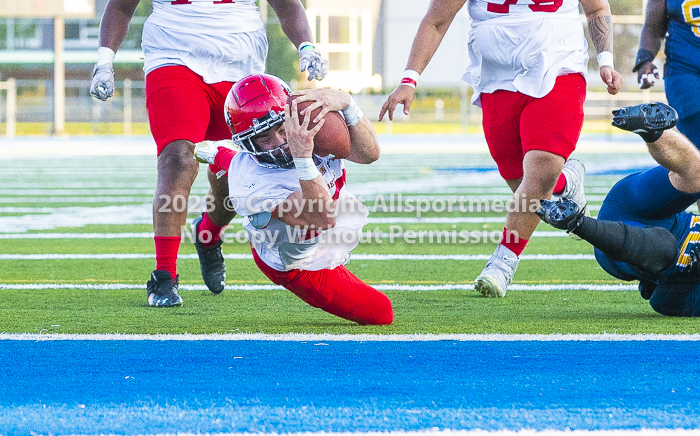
(162, 290)
(563, 214)
(648, 120)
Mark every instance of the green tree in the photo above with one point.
(282, 57)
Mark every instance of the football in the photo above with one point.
(333, 138)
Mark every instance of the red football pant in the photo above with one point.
(336, 291)
(181, 106)
(516, 123)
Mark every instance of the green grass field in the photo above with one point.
(76, 251)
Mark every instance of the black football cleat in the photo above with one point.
(162, 290)
(211, 260)
(563, 214)
(648, 120)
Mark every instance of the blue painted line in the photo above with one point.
(594, 172)
(619, 171)
(147, 387)
(464, 169)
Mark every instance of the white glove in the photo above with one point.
(310, 60)
(102, 86)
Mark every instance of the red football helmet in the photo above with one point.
(255, 104)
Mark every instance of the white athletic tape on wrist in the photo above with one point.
(605, 59)
(105, 55)
(352, 114)
(412, 74)
(410, 78)
(306, 168)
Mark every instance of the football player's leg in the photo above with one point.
(633, 232)
(649, 198)
(677, 154)
(501, 121)
(340, 293)
(335, 291)
(677, 296)
(218, 212)
(175, 106)
(550, 128)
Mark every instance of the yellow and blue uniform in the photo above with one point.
(682, 68)
(648, 199)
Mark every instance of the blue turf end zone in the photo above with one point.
(146, 387)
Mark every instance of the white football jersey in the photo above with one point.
(523, 45)
(218, 40)
(254, 189)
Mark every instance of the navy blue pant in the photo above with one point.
(648, 199)
(678, 87)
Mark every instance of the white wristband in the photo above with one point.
(105, 55)
(605, 59)
(412, 74)
(352, 114)
(306, 168)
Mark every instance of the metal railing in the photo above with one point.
(31, 101)
(10, 86)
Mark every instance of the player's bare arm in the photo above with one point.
(364, 145)
(292, 16)
(653, 32)
(601, 30)
(312, 206)
(432, 29)
(113, 28)
(115, 22)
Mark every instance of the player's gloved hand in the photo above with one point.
(647, 75)
(102, 86)
(310, 60)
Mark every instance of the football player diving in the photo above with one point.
(301, 219)
(643, 231)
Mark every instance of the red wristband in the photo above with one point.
(408, 81)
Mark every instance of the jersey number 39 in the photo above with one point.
(534, 5)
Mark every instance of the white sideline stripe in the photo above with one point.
(75, 235)
(437, 432)
(327, 337)
(77, 200)
(398, 287)
(237, 256)
(147, 235)
(437, 220)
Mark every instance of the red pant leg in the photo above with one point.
(515, 123)
(336, 291)
(553, 123)
(181, 106)
(501, 121)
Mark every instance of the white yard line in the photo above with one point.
(319, 339)
(385, 287)
(235, 256)
(147, 235)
